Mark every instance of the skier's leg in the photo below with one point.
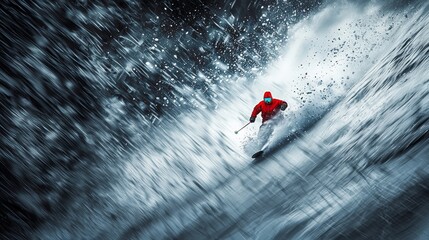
(265, 131)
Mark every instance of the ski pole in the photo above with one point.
(241, 128)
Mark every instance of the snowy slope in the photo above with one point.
(360, 172)
(120, 125)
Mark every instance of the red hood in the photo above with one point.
(268, 95)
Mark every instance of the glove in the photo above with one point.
(252, 119)
(283, 106)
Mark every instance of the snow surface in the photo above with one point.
(136, 141)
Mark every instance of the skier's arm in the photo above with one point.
(280, 104)
(283, 106)
(256, 110)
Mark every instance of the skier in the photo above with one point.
(269, 108)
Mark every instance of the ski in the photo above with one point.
(258, 154)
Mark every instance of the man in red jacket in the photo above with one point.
(268, 108)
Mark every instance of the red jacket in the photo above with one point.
(268, 110)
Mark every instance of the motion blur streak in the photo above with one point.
(118, 118)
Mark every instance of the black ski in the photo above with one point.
(258, 154)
